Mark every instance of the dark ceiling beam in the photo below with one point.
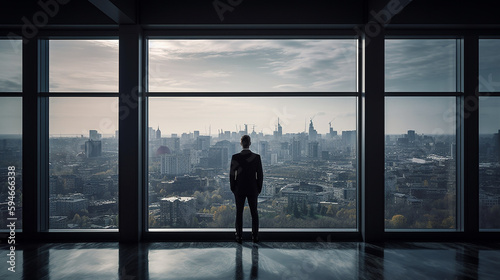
(382, 11)
(122, 12)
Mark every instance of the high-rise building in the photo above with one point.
(295, 150)
(312, 132)
(94, 135)
(173, 143)
(203, 143)
(411, 135)
(151, 133)
(218, 157)
(349, 138)
(312, 150)
(263, 149)
(175, 164)
(177, 211)
(279, 130)
(93, 148)
(158, 133)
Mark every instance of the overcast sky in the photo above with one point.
(250, 65)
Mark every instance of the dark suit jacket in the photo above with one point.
(246, 175)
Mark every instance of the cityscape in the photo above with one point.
(310, 179)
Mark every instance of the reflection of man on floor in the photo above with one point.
(246, 179)
(254, 272)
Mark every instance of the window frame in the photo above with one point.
(479, 94)
(279, 233)
(43, 95)
(458, 94)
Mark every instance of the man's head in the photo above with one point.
(245, 141)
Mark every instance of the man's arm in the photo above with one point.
(232, 173)
(260, 174)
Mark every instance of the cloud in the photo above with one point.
(83, 65)
(214, 74)
(489, 59)
(10, 66)
(315, 65)
(11, 85)
(420, 65)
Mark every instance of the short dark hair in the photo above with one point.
(245, 141)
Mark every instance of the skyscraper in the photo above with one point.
(411, 135)
(93, 148)
(312, 132)
(279, 130)
(295, 150)
(313, 149)
(94, 135)
(175, 164)
(158, 133)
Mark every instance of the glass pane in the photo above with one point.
(420, 163)
(83, 162)
(11, 181)
(83, 65)
(416, 65)
(307, 146)
(11, 66)
(252, 65)
(489, 163)
(489, 69)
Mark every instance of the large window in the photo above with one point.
(420, 65)
(489, 163)
(10, 161)
(10, 133)
(83, 66)
(489, 139)
(489, 70)
(83, 135)
(252, 65)
(308, 143)
(11, 65)
(420, 178)
(421, 190)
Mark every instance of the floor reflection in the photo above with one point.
(265, 260)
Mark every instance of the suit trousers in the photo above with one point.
(252, 203)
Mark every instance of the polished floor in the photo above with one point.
(265, 260)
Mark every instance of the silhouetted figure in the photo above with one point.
(246, 179)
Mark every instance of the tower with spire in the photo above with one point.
(312, 132)
(279, 130)
(158, 133)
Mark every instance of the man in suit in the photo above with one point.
(246, 179)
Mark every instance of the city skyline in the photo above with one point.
(97, 70)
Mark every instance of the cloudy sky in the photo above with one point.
(250, 65)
